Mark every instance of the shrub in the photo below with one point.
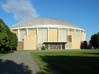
(43, 48)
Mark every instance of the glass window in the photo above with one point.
(78, 33)
(62, 35)
(22, 34)
(42, 35)
(69, 38)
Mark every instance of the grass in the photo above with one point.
(68, 62)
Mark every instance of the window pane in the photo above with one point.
(42, 35)
(62, 35)
(69, 38)
(22, 34)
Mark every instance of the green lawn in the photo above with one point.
(68, 62)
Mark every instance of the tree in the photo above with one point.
(3, 41)
(84, 45)
(3, 27)
(8, 40)
(12, 41)
(95, 40)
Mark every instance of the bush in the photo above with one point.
(43, 48)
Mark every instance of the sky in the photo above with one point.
(82, 13)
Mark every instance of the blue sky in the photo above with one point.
(83, 13)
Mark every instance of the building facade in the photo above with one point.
(48, 33)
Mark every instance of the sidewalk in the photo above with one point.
(18, 63)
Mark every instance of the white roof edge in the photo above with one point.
(49, 26)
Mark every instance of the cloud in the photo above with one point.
(21, 9)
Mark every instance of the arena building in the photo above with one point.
(51, 34)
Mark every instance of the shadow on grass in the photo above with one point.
(10, 67)
(71, 64)
(92, 53)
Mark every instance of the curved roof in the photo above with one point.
(43, 21)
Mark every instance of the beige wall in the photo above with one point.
(62, 35)
(52, 35)
(76, 39)
(30, 41)
(83, 35)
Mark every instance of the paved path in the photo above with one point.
(18, 63)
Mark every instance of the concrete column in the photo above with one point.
(19, 35)
(47, 35)
(66, 35)
(26, 31)
(48, 47)
(37, 39)
(75, 32)
(61, 46)
(68, 43)
(57, 34)
(84, 35)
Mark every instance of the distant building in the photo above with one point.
(49, 33)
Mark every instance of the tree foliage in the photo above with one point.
(3, 27)
(12, 41)
(84, 45)
(8, 40)
(95, 40)
(3, 40)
